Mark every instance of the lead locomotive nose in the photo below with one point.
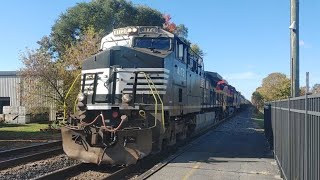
(146, 90)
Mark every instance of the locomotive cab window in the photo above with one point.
(185, 55)
(181, 51)
(153, 43)
(195, 68)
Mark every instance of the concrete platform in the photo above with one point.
(235, 150)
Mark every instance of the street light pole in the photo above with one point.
(294, 47)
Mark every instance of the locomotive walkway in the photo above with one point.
(235, 150)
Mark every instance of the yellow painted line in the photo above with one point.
(194, 168)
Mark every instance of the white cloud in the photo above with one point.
(304, 44)
(301, 43)
(246, 82)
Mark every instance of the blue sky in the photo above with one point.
(244, 41)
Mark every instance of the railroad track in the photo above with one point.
(142, 170)
(77, 170)
(14, 157)
(105, 172)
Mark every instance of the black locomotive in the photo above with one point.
(144, 91)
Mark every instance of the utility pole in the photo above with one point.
(294, 47)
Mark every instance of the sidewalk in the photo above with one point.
(235, 150)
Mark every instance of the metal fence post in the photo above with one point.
(289, 142)
(306, 129)
(275, 129)
(305, 154)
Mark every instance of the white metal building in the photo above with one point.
(9, 89)
(12, 108)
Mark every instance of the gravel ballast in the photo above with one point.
(8, 145)
(38, 168)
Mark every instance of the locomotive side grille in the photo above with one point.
(89, 79)
(125, 81)
(159, 78)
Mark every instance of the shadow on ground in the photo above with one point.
(237, 138)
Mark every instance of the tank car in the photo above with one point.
(144, 91)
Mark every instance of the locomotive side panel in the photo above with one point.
(179, 88)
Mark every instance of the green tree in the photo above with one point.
(182, 31)
(275, 86)
(195, 48)
(257, 99)
(75, 36)
(87, 45)
(102, 15)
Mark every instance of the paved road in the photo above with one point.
(235, 150)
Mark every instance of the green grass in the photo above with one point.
(26, 132)
(258, 118)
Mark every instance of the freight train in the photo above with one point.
(145, 90)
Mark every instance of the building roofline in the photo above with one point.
(8, 73)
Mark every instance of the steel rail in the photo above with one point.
(29, 154)
(17, 151)
(64, 173)
(77, 169)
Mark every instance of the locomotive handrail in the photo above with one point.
(64, 101)
(155, 98)
(162, 111)
(75, 105)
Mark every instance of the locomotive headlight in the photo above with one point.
(126, 98)
(81, 97)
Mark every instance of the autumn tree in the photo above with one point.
(316, 89)
(88, 45)
(182, 31)
(168, 25)
(40, 80)
(303, 90)
(275, 86)
(48, 80)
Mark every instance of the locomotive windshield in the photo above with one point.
(153, 43)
